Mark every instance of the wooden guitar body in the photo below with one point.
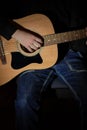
(47, 55)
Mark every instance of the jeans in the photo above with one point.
(72, 71)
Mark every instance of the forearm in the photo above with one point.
(7, 28)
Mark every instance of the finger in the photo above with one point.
(37, 45)
(30, 49)
(32, 46)
(39, 40)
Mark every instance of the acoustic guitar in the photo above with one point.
(14, 59)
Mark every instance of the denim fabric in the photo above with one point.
(72, 71)
(30, 84)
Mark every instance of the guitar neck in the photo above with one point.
(64, 37)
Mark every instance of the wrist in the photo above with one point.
(16, 33)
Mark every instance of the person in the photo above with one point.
(71, 69)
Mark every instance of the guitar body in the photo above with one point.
(47, 55)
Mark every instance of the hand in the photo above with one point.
(30, 41)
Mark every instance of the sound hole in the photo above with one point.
(25, 49)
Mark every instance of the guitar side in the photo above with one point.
(40, 24)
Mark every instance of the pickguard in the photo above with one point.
(19, 60)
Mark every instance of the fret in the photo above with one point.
(64, 37)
